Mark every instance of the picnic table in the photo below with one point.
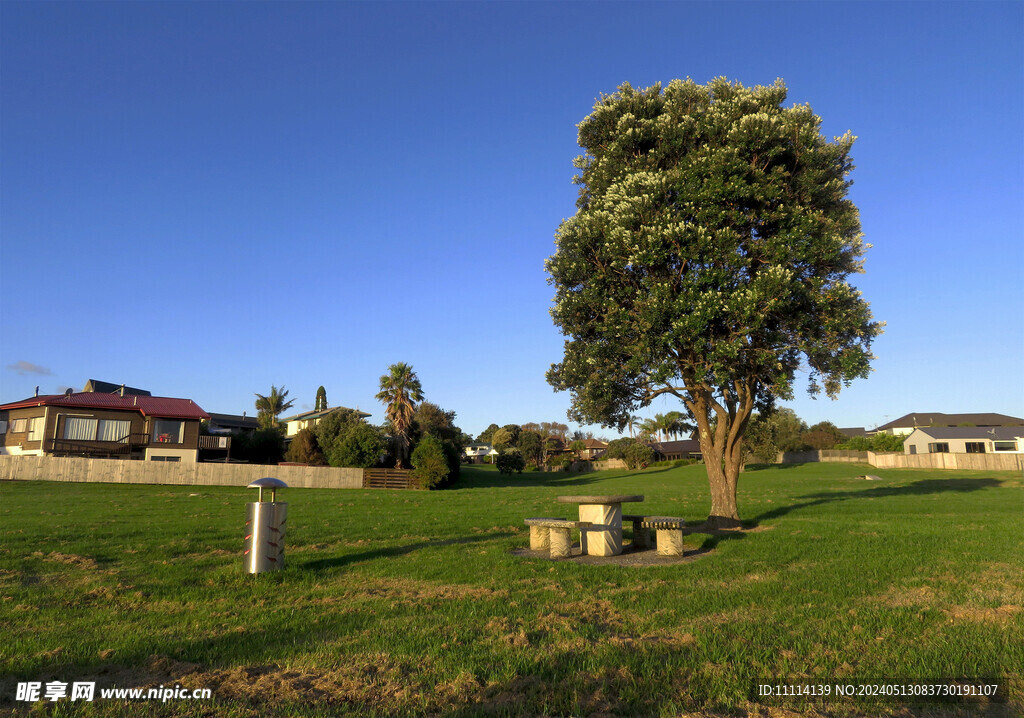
(604, 536)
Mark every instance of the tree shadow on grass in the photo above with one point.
(918, 488)
(548, 479)
(390, 552)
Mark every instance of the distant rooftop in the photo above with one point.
(105, 387)
(922, 419)
(993, 433)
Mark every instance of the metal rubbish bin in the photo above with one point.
(265, 525)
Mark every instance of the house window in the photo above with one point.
(941, 448)
(165, 458)
(913, 449)
(166, 431)
(19, 426)
(112, 430)
(35, 428)
(1004, 445)
(3, 427)
(975, 447)
(79, 428)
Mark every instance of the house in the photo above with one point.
(673, 450)
(965, 440)
(223, 424)
(906, 424)
(593, 448)
(477, 452)
(101, 425)
(309, 419)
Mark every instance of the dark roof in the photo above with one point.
(160, 406)
(105, 387)
(595, 444)
(993, 433)
(852, 431)
(936, 418)
(307, 415)
(686, 446)
(234, 421)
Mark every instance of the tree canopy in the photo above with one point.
(708, 260)
(269, 407)
(400, 389)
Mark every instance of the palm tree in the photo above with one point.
(632, 422)
(674, 424)
(400, 389)
(270, 406)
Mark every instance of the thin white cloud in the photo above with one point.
(23, 368)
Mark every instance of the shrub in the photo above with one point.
(429, 462)
(638, 455)
(265, 446)
(559, 461)
(617, 448)
(304, 449)
(877, 442)
(510, 461)
(361, 445)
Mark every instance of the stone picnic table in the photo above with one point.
(604, 538)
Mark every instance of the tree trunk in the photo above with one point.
(721, 452)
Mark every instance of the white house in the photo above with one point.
(965, 440)
(918, 420)
(309, 419)
(477, 452)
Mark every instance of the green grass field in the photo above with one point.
(411, 603)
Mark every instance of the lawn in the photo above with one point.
(412, 603)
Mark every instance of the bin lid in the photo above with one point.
(267, 482)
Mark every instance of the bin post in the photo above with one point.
(265, 528)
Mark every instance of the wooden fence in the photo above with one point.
(389, 479)
(896, 460)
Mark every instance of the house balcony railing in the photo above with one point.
(222, 443)
(83, 447)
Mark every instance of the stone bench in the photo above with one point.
(670, 533)
(553, 534)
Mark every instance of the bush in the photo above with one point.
(511, 461)
(429, 463)
(559, 461)
(638, 455)
(617, 448)
(877, 442)
(265, 446)
(304, 449)
(361, 445)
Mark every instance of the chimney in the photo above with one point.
(122, 390)
(37, 391)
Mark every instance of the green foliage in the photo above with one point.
(707, 260)
(321, 400)
(304, 449)
(400, 389)
(617, 448)
(265, 446)
(532, 446)
(501, 438)
(514, 431)
(577, 447)
(781, 430)
(429, 462)
(510, 461)
(486, 434)
(557, 462)
(360, 445)
(876, 442)
(638, 455)
(269, 407)
(823, 435)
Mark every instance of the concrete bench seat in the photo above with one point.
(553, 534)
(670, 533)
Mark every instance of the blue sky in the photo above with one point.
(205, 199)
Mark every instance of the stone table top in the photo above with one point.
(597, 499)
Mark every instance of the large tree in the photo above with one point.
(400, 389)
(321, 400)
(708, 260)
(269, 407)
